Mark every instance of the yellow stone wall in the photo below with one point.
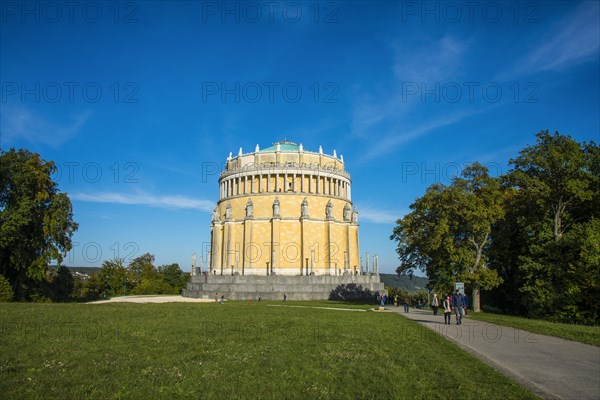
(264, 244)
(248, 243)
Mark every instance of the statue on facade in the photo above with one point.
(276, 208)
(215, 215)
(228, 211)
(329, 210)
(249, 209)
(304, 209)
(355, 216)
(347, 213)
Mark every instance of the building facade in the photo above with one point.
(285, 225)
(285, 211)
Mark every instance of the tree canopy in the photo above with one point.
(36, 219)
(447, 233)
(532, 234)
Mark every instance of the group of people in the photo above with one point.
(381, 300)
(457, 301)
(453, 301)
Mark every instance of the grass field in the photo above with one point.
(231, 351)
(578, 333)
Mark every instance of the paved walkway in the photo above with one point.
(551, 367)
(152, 299)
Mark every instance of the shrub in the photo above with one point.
(6, 292)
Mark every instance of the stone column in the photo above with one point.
(237, 261)
(275, 252)
(247, 250)
(294, 182)
(330, 264)
(367, 262)
(345, 262)
(226, 247)
(216, 246)
(305, 237)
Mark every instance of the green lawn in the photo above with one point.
(579, 333)
(236, 350)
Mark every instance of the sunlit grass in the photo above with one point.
(578, 333)
(234, 350)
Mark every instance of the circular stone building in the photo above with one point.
(285, 213)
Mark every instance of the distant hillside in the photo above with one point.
(87, 270)
(404, 282)
(392, 280)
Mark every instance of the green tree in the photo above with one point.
(547, 245)
(36, 219)
(6, 292)
(447, 233)
(94, 288)
(152, 280)
(174, 276)
(556, 175)
(480, 203)
(115, 278)
(60, 285)
(143, 267)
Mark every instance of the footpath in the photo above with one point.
(551, 367)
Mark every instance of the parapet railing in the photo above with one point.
(276, 167)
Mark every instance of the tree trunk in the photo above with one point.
(476, 298)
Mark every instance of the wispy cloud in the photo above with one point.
(145, 199)
(430, 61)
(574, 40)
(386, 144)
(378, 216)
(387, 116)
(20, 123)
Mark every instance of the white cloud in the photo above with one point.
(429, 62)
(175, 201)
(387, 143)
(574, 40)
(378, 216)
(20, 123)
(388, 115)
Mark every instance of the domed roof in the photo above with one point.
(284, 145)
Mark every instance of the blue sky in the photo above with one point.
(139, 103)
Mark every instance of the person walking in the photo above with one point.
(435, 304)
(284, 297)
(406, 303)
(447, 304)
(458, 302)
(396, 300)
(466, 301)
(383, 300)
